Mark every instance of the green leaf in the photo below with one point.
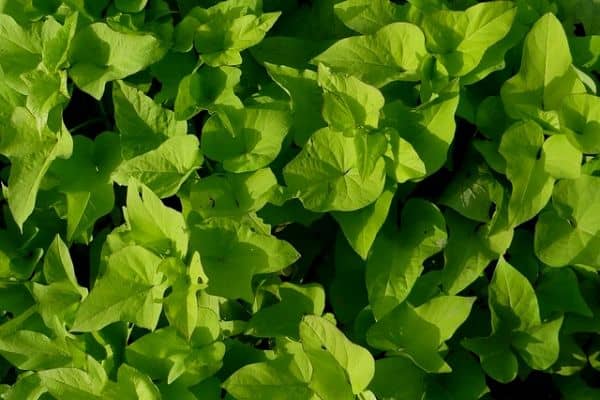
(328, 379)
(447, 313)
(227, 194)
(497, 360)
(579, 116)
(317, 333)
(143, 124)
(84, 180)
(181, 306)
(460, 38)
(545, 76)
(521, 147)
(362, 226)
(347, 102)
(221, 32)
(62, 294)
(130, 290)
(306, 99)
(512, 301)
(538, 345)
(131, 383)
(29, 350)
(150, 223)
(100, 54)
(568, 232)
(283, 318)
(20, 49)
(31, 150)
(562, 160)
(165, 355)
(74, 383)
(466, 253)
(247, 139)
(232, 252)
(397, 257)
(286, 377)
(368, 16)
(207, 89)
(405, 331)
(403, 163)
(336, 172)
(392, 53)
(398, 377)
(165, 168)
(56, 48)
(558, 291)
(429, 128)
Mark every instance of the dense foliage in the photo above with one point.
(283, 199)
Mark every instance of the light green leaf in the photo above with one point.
(568, 232)
(368, 16)
(329, 379)
(129, 290)
(56, 48)
(29, 350)
(460, 38)
(84, 179)
(496, 357)
(227, 194)
(74, 383)
(100, 54)
(466, 253)
(362, 226)
(207, 89)
(521, 147)
(306, 99)
(283, 318)
(545, 77)
(247, 139)
(143, 124)
(448, 313)
(181, 306)
(429, 128)
(152, 224)
(20, 51)
(347, 102)
(338, 173)
(233, 251)
(579, 116)
(165, 168)
(317, 333)
(403, 163)
(165, 355)
(397, 257)
(31, 151)
(538, 345)
(392, 53)
(561, 159)
(403, 330)
(285, 378)
(512, 301)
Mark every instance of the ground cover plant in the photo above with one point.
(282, 199)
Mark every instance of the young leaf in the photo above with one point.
(392, 53)
(317, 333)
(397, 257)
(568, 232)
(545, 76)
(337, 173)
(130, 290)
